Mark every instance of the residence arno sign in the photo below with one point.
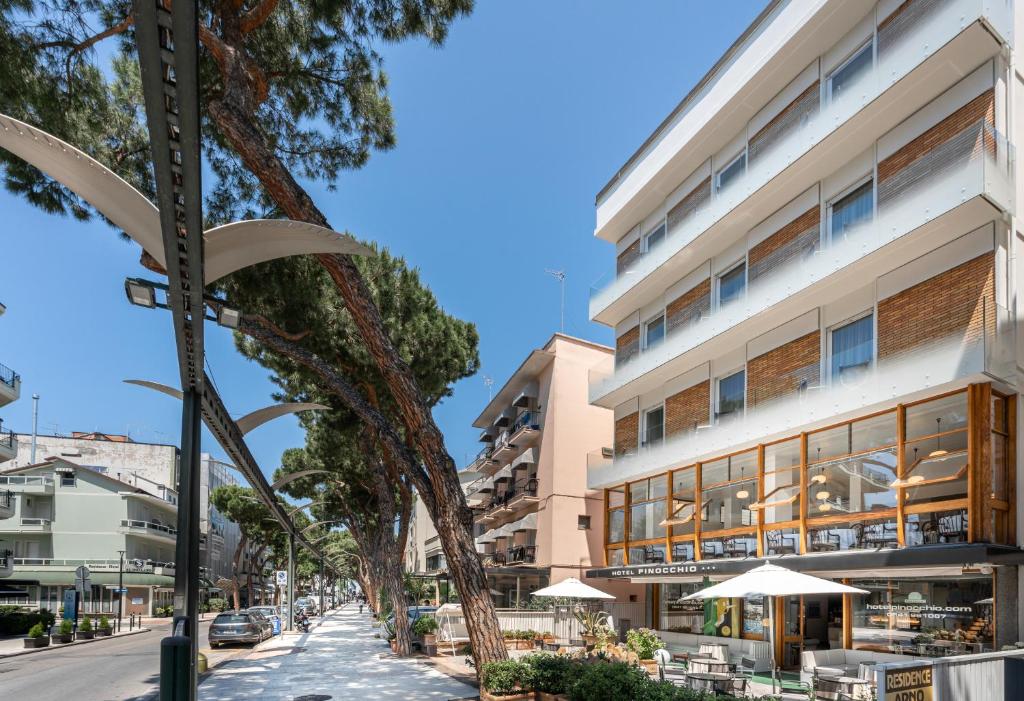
(908, 683)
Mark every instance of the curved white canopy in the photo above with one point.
(227, 248)
(526, 523)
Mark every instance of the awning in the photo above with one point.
(58, 578)
(523, 398)
(526, 523)
(504, 419)
(504, 473)
(487, 435)
(527, 457)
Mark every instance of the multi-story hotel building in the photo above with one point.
(536, 521)
(10, 390)
(815, 311)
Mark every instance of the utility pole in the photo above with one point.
(35, 427)
(323, 598)
(291, 581)
(120, 588)
(560, 276)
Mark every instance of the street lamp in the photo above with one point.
(320, 523)
(120, 588)
(141, 295)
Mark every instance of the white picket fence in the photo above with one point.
(561, 623)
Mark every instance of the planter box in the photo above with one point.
(59, 638)
(37, 642)
(84, 635)
(430, 640)
(545, 696)
(103, 632)
(522, 696)
(518, 644)
(650, 665)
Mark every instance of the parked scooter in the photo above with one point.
(302, 622)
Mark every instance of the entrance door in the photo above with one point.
(792, 631)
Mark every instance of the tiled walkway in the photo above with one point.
(339, 659)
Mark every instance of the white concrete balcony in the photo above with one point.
(8, 444)
(27, 484)
(963, 184)
(8, 501)
(33, 525)
(988, 353)
(947, 43)
(148, 529)
(10, 385)
(6, 562)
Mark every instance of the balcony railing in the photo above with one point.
(521, 553)
(6, 439)
(8, 376)
(149, 526)
(36, 524)
(26, 481)
(6, 499)
(898, 55)
(987, 348)
(975, 162)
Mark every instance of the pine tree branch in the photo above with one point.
(254, 18)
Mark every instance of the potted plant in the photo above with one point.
(508, 680)
(104, 628)
(85, 630)
(592, 625)
(426, 628)
(65, 632)
(644, 641)
(37, 637)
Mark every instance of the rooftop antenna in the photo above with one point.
(489, 381)
(560, 276)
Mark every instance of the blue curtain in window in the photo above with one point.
(852, 347)
(853, 209)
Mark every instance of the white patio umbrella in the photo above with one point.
(770, 581)
(572, 588)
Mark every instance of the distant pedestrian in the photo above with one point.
(360, 608)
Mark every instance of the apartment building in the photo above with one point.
(67, 515)
(153, 467)
(814, 299)
(10, 390)
(536, 522)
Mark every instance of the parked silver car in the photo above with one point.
(239, 627)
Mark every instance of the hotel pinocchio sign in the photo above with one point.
(909, 683)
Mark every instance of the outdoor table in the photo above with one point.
(719, 651)
(842, 687)
(680, 656)
(709, 682)
(708, 665)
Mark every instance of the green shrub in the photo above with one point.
(425, 625)
(37, 631)
(506, 677)
(17, 620)
(104, 623)
(553, 674)
(86, 625)
(66, 627)
(643, 641)
(217, 604)
(612, 681)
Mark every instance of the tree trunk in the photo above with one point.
(444, 499)
(236, 564)
(392, 576)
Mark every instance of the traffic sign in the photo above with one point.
(82, 572)
(282, 578)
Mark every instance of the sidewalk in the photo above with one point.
(339, 659)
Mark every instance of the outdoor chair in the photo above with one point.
(681, 552)
(712, 548)
(951, 528)
(823, 540)
(652, 556)
(781, 543)
(737, 547)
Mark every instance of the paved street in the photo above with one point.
(124, 669)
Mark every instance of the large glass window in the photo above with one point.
(647, 500)
(728, 489)
(684, 507)
(846, 76)
(852, 348)
(730, 173)
(851, 210)
(935, 466)
(732, 283)
(924, 617)
(731, 391)
(679, 614)
(616, 515)
(654, 238)
(781, 502)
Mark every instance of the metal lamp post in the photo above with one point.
(120, 588)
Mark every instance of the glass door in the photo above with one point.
(792, 624)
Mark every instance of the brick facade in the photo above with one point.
(954, 303)
(686, 410)
(627, 432)
(627, 345)
(689, 306)
(783, 370)
(790, 117)
(981, 107)
(689, 204)
(791, 242)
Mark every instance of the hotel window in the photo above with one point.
(851, 210)
(731, 391)
(654, 331)
(852, 348)
(684, 504)
(653, 238)
(732, 283)
(781, 501)
(842, 79)
(731, 172)
(728, 489)
(654, 427)
(646, 513)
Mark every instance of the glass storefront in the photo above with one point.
(926, 617)
(725, 618)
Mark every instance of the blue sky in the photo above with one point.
(505, 135)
